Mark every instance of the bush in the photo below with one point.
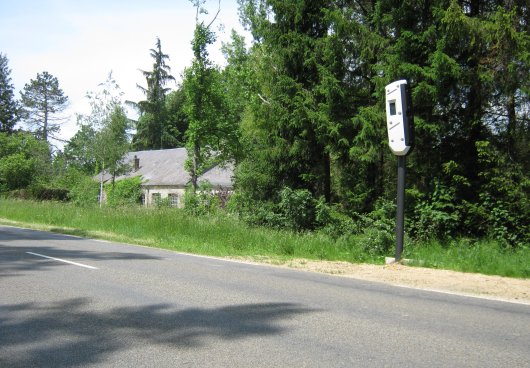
(332, 222)
(378, 229)
(85, 192)
(203, 202)
(436, 217)
(298, 208)
(125, 192)
(50, 194)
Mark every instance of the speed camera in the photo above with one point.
(399, 118)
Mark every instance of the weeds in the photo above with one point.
(220, 234)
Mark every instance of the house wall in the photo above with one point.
(153, 193)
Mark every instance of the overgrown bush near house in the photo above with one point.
(125, 192)
(255, 213)
(84, 192)
(41, 193)
(203, 202)
(295, 209)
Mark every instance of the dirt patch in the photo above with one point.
(470, 284)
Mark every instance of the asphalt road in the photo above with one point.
(140, 307)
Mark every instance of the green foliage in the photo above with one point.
(23, 161)
(111, 142)
(124, 192)
(177, 122)
(203, 201)
(104, 138)
(466, 255)
(154, 127)
(297, 208)
(84, 192)
(436, 217)
(211, 136)
(41, 193)
(504, 207)
(9, 111)
(16, 171)
(79, 151)
(42, 102)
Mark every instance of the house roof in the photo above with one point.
(166, 168)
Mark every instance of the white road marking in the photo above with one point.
(63, 260)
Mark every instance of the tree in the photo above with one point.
(78, 151)
(42, 102)
(303, 106)
(23, 161)
(209, 134)
(109, 126)
(177, 121)
(153, 127)
(112, 143)
(8, 105)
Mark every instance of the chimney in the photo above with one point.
(136, 163)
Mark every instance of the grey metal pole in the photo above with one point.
(400, 214)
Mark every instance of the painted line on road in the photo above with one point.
(63, 260)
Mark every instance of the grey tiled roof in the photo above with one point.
(166, 168)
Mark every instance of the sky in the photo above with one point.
(80, 42)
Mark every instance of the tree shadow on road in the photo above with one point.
(69, 334)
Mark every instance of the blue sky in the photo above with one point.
(80, 42)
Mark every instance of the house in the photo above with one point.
(164, 175)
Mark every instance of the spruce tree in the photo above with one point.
(8, 105)
(152, 124)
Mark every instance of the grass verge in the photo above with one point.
(222, 235)
(219, 235)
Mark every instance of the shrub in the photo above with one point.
(85, 192)
(298, 208)
(125, 192)
(332, 222)
(50, 194)
(436, 217)
(204, 201)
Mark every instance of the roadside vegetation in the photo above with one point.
(221, 233)
(300, 114)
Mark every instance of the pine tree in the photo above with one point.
(8, 105)
(42, 102)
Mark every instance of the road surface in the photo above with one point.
(73, 302)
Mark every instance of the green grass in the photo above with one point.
(219, 235)
(482, 256)
(222, 235)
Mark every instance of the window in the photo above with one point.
(156, 198)
(173, 199)
(392, 107)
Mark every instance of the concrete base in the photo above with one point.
(403, 261)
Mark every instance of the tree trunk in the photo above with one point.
(101, 187)
(327, 177)
(511, 128)
(195, 169)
